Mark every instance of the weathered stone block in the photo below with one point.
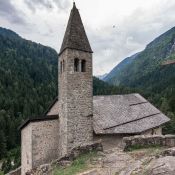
(169, 152)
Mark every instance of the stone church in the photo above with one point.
(77, 117)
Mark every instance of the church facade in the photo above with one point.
(76, 117)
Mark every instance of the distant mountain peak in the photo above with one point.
(101, 77)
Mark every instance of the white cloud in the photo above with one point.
(116, 28)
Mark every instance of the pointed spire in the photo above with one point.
(74, 4)
(75, 36)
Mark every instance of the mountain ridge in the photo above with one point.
(157, 51)
(120, 66)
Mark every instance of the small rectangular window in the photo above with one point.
(83, 66)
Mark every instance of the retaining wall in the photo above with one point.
(146, 141)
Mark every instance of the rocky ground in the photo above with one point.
(151, 161)
(114, 161)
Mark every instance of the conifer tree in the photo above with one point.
(2, 145)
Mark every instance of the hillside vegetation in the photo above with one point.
(132, 69)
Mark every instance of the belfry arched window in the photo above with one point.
(83, 66)
(61, 67)
(76, 65)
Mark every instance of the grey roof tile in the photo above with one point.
(140, 125)
(124, 114)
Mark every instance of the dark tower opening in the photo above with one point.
(63, 65)
(83, 66)
(76, 65)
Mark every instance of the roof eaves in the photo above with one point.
(37, 119)
(83, 50)
(51, 105)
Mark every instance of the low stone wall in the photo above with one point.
(146, 141)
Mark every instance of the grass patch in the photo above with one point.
(142, 152)
(77, 166)
(1, 173)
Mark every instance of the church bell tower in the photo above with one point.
(75, 86)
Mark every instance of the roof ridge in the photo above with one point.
(132, 121)
(134, 104)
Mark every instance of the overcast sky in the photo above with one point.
(115, 28)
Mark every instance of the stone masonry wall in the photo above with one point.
(40, 144)
(116, 140)
(54, 110)
(144, 141)
(75, 101)
(154, 131)
(109, 141)
(45, 141)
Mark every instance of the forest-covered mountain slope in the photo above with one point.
(117, 70)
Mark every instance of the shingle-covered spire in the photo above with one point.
(75, 36)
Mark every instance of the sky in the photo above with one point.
(116, 28)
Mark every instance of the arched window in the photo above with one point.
(76, 65)
(63, 66)
(83, 66)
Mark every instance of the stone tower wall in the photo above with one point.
(75, 101)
